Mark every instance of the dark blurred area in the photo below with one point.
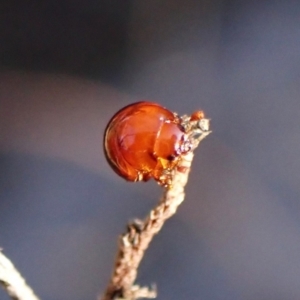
(68, 66)
(86, 38)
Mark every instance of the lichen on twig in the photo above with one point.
(134, 242)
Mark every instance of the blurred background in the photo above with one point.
(68, 66)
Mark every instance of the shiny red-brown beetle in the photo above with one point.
(145, 140)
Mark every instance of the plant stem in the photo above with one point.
(12, 281)
(139, 234)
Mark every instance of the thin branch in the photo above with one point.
(12, 281)
(134, 242)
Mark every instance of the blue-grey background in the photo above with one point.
(68, 66)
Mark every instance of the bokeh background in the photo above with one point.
(68, 66)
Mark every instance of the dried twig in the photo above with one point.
(12, 281)
(139, 234)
